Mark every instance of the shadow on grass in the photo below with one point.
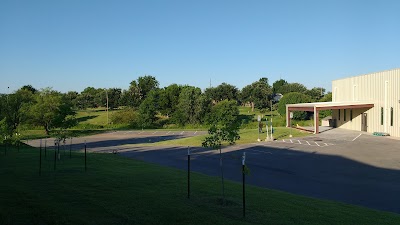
(85, 118)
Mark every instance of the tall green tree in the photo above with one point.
(316, 93)
(169, 99)
(131, 97)
(148, 110)
(138, 90)
(276, 86)
(203, 106)
(13, 107)
(146, 84)
(50, 111)
(222, 92)
(114, 97)
(327, 97)
(186, 112)
(258, 94)
(292, 87)
(224, 129)
(71, 98)
(294, 98)
(88, 98)
(29, 88)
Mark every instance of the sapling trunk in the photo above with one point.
(222, 176)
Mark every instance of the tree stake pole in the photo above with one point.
(85, 157)
(244, 183)
(40, 158)
(188, 155)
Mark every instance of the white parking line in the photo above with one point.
(168, 132)
(356, 137)
(195, 132)
(299, 141)
(141, 132)
(326, 144)
(308, 143)
(291, 141)
(154, 132)
(182, 132)
(128, 132)
(317, 144)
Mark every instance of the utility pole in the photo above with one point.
(107, 105)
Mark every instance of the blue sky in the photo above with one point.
(73, 44)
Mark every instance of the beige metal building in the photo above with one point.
(369, 102)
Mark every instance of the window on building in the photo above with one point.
(351, 115)
(391, 116)
(381, 115)
(339, 114)
(344, 114)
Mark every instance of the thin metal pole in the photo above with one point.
(70, 146)
(40, 158)
(107, 105)
(244, 183)
(272, 138)
(55, 155)
(85, 157)
(58, 150)
(188, 172)
(45, 148)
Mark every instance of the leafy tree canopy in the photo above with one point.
(292, 87)
(50, 112)
(222, 92)
(316, 93)
(278, 84)
(148, 110)
(294, 98)
(258, 93)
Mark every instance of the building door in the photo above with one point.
(364, 120)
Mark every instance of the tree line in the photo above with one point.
(145, 104)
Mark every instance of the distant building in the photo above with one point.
(277, 97)
(369, 102)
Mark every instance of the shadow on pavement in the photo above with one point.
(310, 174)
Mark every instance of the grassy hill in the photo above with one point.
(117, 190)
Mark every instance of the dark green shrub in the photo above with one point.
(125, 116)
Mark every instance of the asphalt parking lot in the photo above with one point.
(114, 140)
(353, 167)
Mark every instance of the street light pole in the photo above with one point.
(107, 105)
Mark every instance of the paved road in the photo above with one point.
(115, 139)
(363, 172)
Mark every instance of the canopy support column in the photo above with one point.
(287, 117)
(316, 120)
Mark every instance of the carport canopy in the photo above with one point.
(317, 106)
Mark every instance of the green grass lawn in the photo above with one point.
(246, 136)
(96, 116)
(117, 190)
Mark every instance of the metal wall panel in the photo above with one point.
(370, 87)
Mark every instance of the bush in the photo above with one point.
(125, 116)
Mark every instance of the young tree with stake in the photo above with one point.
(224, 129)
